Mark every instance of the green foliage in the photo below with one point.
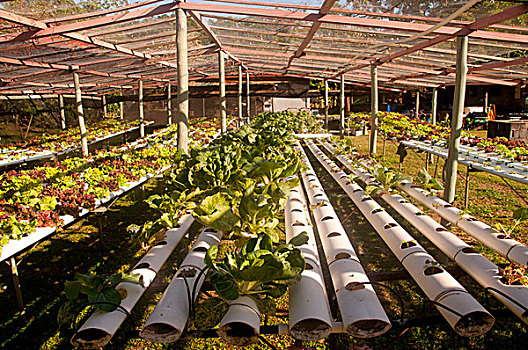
(97, 290)
(387, 179)
(428, 182)
(257, 268)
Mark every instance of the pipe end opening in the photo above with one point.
(238, 333)
(160, 333)
(368, 328)
(474, 324)
(310, 330)
(91, 336)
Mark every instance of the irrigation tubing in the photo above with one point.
(514, 190)
(105, 302)
(505, 296)
(428, 301)
(262, 339)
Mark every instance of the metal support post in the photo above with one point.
(169, 104)
(239, 95)
(456, 121)
(141, 112)
(248, 99)
(373, 107)
(80, 115)
(326, 103)
(342, 108)
(221, 92)
(62, 112)
(183, 80)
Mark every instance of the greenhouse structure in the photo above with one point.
(219, 174)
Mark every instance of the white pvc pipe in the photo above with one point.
(497, 241)
(361, 311)
(101, 326)
(309, 312)
(168, 320)
(437, 284)
(477, 266)
(241, 324)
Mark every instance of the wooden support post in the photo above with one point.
(141, 112)
(417, 104)
(16, 283)
(486, 102)
(80, 115)
(456, 119)
(221, 92)
(373, 107)
(239, 95)
(326, 103)
(342, 108)
(103, 104)
(121, 107)
(183, 80)
(62, 112)
(248, 99)
(434, 106)
(169, 104)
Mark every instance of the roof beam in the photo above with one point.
(511, 12)
(346, 20)
(40, 32)
(323, 10)
(197, 18)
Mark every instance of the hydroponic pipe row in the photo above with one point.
(101, 326)
(477, 266)
(463, 313)
(361, 311)
(168, 320)
(309, 312)
(476, 163)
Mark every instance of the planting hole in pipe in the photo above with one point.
(142, 266)
(377, 210)
(123, 292)
(341, 256)
(403, 201)
(419, 213)
(187, 272)
(333, 234)
(296, 200)
(312, 179)
(502, 236)
(407, 244)
(200, 249)
(327, 218)
(308, 266)
(177, 226)
(318, 195)
(432, 270)
(368, 198)
(296, 210)
(357, 190)
(441, 229)
(469, 219)
(160, 243)
(390, 225)
(209, 230)
(298, 223)
(469, 250)
(447, 206)
(354, 286)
